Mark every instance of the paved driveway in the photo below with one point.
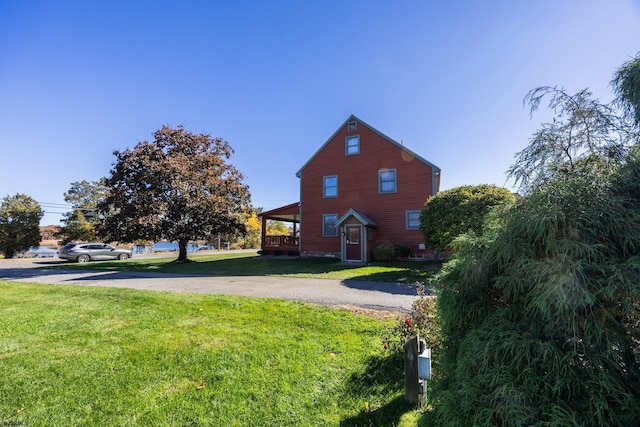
(369, 295)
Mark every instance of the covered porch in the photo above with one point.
(281, 245)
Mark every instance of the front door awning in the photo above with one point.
(362, 218)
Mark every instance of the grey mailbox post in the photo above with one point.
(417, 369)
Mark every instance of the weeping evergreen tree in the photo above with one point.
(626, 84)
(540, 314)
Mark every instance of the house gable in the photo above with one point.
(407, 152)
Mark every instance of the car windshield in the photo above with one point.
(69, 246)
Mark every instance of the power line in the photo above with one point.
(46, 162)
(59, 205)
(47, 205)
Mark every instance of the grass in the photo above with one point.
(248, 263)
(120, 357)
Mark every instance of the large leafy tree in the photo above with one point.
(540, 314)
(20, 217)
(459, 210)
(80, 223)
(179, 187)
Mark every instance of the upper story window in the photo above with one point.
(387, 181)
(352, 126)
(413, 220)
(352, 144)
(330, 186)
(330, 225)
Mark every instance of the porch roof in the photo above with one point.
(284, 213)
(365, 220)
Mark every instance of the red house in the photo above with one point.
(360, 189)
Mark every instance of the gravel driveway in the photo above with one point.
(368, 295)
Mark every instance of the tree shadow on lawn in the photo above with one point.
(384, 376)
(241, 265)
(407, 275)
(403, 272)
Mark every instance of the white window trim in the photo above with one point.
(406, 216)
(324, 224)
(395, 181)
(346, 145)
(324, 186)
(352, 126)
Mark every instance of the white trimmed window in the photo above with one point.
(329, 225)
(387, 180)
(413, 220)
(352, 126)
(330, 186)
(352, 145)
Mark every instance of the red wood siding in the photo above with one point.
(358, 189)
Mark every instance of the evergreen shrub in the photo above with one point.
(391, 251)
(540, 314)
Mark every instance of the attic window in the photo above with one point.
(352, 145)
(352, 126)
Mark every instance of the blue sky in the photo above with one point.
(80, 79)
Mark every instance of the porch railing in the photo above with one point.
(277, 241)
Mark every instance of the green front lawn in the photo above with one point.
(119, 357)
(250, 264)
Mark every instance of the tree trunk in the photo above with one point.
(182, 247)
